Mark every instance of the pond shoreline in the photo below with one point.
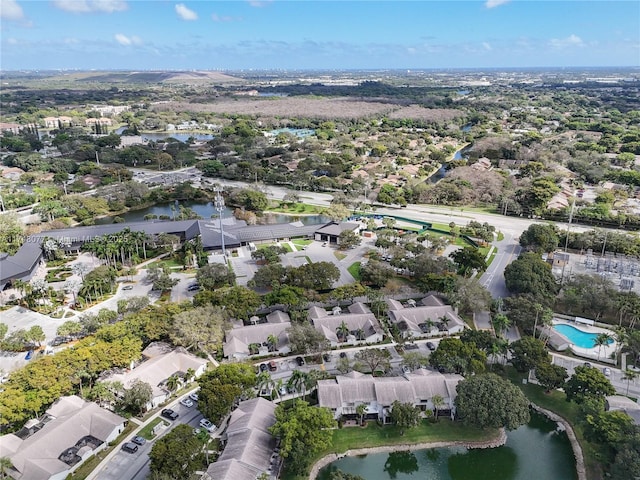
(500, 440)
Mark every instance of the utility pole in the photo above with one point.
(97, 159)
(604, 244)
(573, 206)
(219, 204)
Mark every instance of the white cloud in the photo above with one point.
(87, 6)
(125, 40)
(487, 46)
(495, 3)
(184, 13)
(224, 18)
(259, 3)
(571, 41)
(10, 10)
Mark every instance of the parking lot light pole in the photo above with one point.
(219, 204)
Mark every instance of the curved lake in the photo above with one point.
(533, 451)
(206, 211)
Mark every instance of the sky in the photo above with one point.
(310, 34)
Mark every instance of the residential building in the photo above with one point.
(623, 404)
(343, 394)
(429, 317)
(160, 362)
(242, 342)
(57, 122)
(249, 449)
(359, 324)
(55, 445)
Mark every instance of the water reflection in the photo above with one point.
(474, 465)
(403, 462)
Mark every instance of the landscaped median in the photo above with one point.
(375, 438)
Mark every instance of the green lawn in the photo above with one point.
(354, 270)
(374, 435)
(492, 257)
(147, 430)
(295, 209)
(340, 255)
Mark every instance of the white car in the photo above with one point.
(606, 371)
(207, 425)
(194, 396)
(186, 402)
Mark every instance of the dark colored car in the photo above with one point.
(343, 355)
(273, 366)
(411, 346)
(431, 346)
(29, 355)
(130, 447)
(170, 414)
(300, 361)
(138, 440)
(263, 367)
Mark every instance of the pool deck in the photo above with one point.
(601, 354)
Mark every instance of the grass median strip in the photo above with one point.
(147, 430)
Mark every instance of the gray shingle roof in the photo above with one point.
(36, 457)
(239, 339)
(249, 446)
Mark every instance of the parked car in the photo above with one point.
(343, 355)
(207, 425)
(326, 357)
(300, 361)
(193, 288)
(128, 287)
(406, 369)
(138, 440)
(170, 414)
(130, 447)
(264, 367)
(60, 340)
(431, 346)
(587, 364)
(186, 402)
(606, 371)
(283, 391)
(29, 355)
(273, 366)
(411, 346)
(194, 396)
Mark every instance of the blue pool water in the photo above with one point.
(576, 336)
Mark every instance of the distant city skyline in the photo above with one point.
(307, 34)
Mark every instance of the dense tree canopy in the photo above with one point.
(303, 430)
(530, 274)
(587, 382)
(540, 238)
(176, 454)
(489, 401)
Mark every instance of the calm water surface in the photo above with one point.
(532, 452)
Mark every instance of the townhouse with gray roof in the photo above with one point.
(249, 449)
(361, 323)
(343, 394)
(428, 317)
(55, 445)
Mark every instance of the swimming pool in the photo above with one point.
(576, 336)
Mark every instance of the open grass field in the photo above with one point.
(354, 270)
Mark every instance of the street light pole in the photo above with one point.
(219, 204)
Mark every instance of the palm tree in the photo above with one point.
(272, 342)
(629, 375)
(265, 382)
(189, 375)
(361, 410)
(500, 323)
(343, 331)
(601, 340)
(438, 403)
(538, 308)
(172, 383)
(298, 381)
(5, 466)
(360, 334)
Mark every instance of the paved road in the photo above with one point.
(120, 465)
(616, 374)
